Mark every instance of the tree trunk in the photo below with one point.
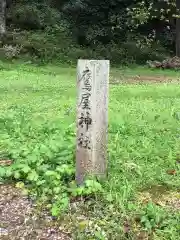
(178, 29)
(2, 19)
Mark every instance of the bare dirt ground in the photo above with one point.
(138, 79)
(18, 220)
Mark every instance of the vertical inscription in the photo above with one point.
(84, 118)
(91, 118)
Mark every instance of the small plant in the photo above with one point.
(152, 217)
(89, 188)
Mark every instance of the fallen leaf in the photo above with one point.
(126, 227)
(19, 185)
(171, 172)
(5, 162)
(83, 224)
(160, 203)
(142, 235)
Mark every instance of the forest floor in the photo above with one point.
(141, 198)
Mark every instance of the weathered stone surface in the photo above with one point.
(92, 117)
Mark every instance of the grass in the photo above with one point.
(37, 108)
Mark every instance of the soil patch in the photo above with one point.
(143, 79)
(161, 196)
(18, 219)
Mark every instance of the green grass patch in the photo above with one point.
(37, 129)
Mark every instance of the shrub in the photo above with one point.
(33, 16)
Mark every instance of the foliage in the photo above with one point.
(45, 162)
(152, 217)
(67, 51)
(32, 15)
(90, 27)
(164, 14)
